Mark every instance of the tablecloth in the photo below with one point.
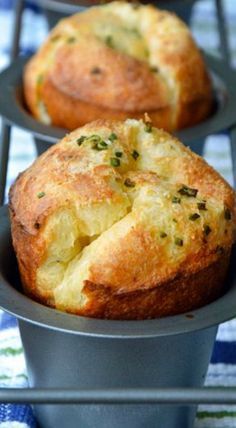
(222, 369)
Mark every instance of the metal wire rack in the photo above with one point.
(175, 396)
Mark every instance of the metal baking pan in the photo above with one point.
(72, 6)
(12, 107)
(69, 351)
(56, 9)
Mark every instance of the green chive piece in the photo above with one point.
(206, 229)
(135, 32)
(119, 154)
(100, 145)
(80, 140)
(71, 40)
(227, 213)
(188, 191)
(135, 154)
(163, 234)
(40, 79)
(115, 162)
(148, 127)
(194, 216)
(154, 69)
(109, 41)
(95, 138)
(202, 206)
(179, 242)
(55, 38)
(176, 200)
(136, 5)
(112, 137)
(41, 195)
(129, 183)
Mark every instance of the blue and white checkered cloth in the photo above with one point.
(222, 370)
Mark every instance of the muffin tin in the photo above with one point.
(223, 116)
(57, 9)
(71, 6)
(12, 300)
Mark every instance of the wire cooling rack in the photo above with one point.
(175, 396)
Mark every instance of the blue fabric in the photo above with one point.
(7, 321)
(224, 352)
(9, 4)
(19, 413)
(222, 370)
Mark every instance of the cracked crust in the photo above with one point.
(118, 61)
(144, 236)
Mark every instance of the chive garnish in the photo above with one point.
(71, 40)
(112, 137)
(95, 138)
(129, 183)
(194, 216)
(80, 140)
(115, 162)
(41, 195)
(163, 234)
(55, 38)
(135, 32)
(176, 200)
(202, 206)
(135, 154)
(40, 79)
(109, 41)
(154, 69)
(179, 242)
(148, 127)
(188, 191)
(227, 213)
(100, 145)
(119, 154)
(206, 229)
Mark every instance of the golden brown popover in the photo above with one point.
(120, 220)
(117, 61)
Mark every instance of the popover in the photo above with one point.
(119, 220)
(117, 61)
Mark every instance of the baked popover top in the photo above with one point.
(118, 61)
(120, 220)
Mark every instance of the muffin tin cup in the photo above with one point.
(69, 351)
(13, 109)
(57, 9)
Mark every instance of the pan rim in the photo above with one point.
(27, 310)
(14, 113)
